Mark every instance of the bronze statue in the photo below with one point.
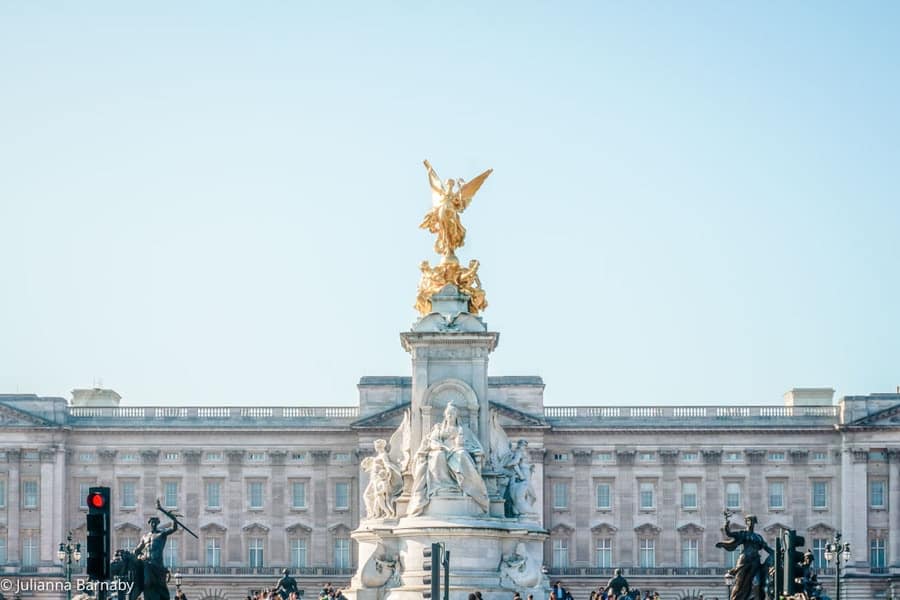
(287, 585)
(466, 280)
(449, 198)
(618, 584)
(750, 573)
(150, 553)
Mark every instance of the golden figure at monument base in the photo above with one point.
(449, 198)
(466, 281)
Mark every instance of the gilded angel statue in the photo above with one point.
(449, 198)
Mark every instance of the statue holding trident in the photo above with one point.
(154, 575)
(449, 198)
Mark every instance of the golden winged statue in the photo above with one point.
(449, 198)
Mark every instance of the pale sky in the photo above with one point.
(214, 203)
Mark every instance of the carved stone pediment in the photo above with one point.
(257, 528)
(12, 417)
(691, 529)
(604, 528)
(562, 529)
(213, 527)
(774, 528)
(298, 529)
(127, 527)
(647, 529)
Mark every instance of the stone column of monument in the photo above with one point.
(193, 490)
(14, 506)
(893, 456)
(626, 493)
(667, 509)
(712, 499)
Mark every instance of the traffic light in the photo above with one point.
(98, 526)
(793, 559)
(432, 556)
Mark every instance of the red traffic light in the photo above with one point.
(96, 500)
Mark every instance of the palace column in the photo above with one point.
(893, 455)
(756, 485)
(800, 499)
(319, 536)
(625, 496)
(13, 507)
(582, 505)
(278, 482)
(48, 500)
(234, 497)
(668, 508)
(192, 500)
(854, 504)
(712, 499)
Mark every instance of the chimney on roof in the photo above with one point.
(809, 397)
(96, 397)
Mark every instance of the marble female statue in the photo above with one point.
(750, 573)
(520, 494)
(385, 483)
(448, 461)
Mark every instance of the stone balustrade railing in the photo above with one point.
(189, 415)
(696, 414)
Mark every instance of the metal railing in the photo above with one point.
(267, 571)
(638, 571)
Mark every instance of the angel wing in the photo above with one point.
(438, 191)
(500, 446)
(467, 191)
(399, 450)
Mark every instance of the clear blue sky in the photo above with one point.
(217, 202)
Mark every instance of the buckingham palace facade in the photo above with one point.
(642, 488)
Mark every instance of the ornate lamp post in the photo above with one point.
(729, 581)
(839, 553)
(178, 579)
(65, 554)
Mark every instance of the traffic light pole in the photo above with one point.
(446, 564)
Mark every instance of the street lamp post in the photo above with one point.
(729, 581)
(65, 554)
(178, 580)
(839, 553)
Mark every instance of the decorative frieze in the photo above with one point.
(711, 456)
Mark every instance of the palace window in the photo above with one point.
(645, 494)
(256, 457)
(689, 457)
(818, 550)
(731, 558)
(129, 498)
(2, 493)
(819, 457)
(125, 543)
(170, 494)
(213, 457)
(603, 457)
(560, 553)
(30, 493)
(86, 457)
(647, 553)
(876, 493)
(298, 553)
(300, 457)
(171, 457)
(213, 494)
(342, 495)
(604, 496)
(213, 552)
(255, 551)
(690, 553)
(689, 495)
(733, 457)
(560, 495)
(170, 554)
(255, 495)
(819, 495)
(341, 553)
(777, 457)
(604, 553)
(83, 491)
(129, 457)
(2, 549)
(733, 495)
(876, 553)
(776, 495)
(30, 549)
(341, 457)
(298, 494)
(561, 457)
(647, 456)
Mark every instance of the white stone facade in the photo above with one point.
(641, 488)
